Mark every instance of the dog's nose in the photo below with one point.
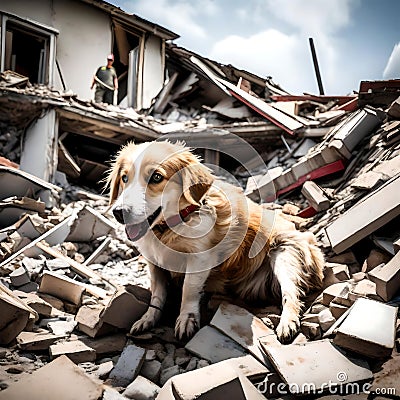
(120, 213)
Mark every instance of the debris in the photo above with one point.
(41, 339)
(315, 196)
(128, 366)
(141, 389)
(75, 384)
(387, 278)
(61, 287)
(324, 364)
(365, 217)
(75, 350)
(356, 333)
(243, 327)
(210, 344)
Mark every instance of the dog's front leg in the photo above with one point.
(285, 270)
(159, 282)
(189, 317)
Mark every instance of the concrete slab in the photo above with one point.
(61, 379)
(369, 329)
(315, 366)
(38, 340)
(75, 350)
(212, 345)
(243, 327)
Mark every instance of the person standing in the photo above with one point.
(106, 82)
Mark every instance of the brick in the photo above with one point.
(214, 346)
(300, 364)
(326, 319)
(91, 322)
(370, 338)
(339, 146)
(337, 310)
(38, 340)
(374, 259)
(243, 327)
(53, 301)
(107, 344)
(311, 330)
(128, 366)
(20, 277)
(364, 288)
(365, 217)
(151, 370)
(75, 350)
(335, 290)
(41, 306)
(387, 278)
(141, 389)
(315, 196)
(127, 306)
(61, 287)
(15, 316)
(75, 384)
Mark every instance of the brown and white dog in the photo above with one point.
(185, 222)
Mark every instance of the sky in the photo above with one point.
(355, 40)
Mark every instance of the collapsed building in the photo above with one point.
(71, 285)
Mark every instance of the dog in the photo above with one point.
(187, 223)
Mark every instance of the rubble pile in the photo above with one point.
(71, 285)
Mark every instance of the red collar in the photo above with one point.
(178, 218)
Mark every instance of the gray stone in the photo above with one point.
(112, 394)
(128, 366)
(214, 346)
(168, 361)
(104, 369)
(169, 373)
(150, 355)
(326, 319)
(192, 365)
(151, 370)
(141, 389)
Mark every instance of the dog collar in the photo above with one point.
(178, 218)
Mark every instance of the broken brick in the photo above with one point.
(75, 350)
(38, 340)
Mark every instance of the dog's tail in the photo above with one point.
(305, 255)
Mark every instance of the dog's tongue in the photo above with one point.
(132, 231)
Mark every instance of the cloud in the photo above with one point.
(313, 16)
(392, 69)
(180, 16)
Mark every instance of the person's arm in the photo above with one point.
(93, 82)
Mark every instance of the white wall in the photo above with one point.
(153, 69)
(83, 42)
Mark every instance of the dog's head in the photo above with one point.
(153, 181)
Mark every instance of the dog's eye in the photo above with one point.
(124, 178)
(156, 178)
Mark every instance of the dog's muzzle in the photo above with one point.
(134, 231)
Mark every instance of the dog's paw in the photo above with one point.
(186, 325)
(148, 320)
(287, 329)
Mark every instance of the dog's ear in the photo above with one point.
(114, 183)
(196, 180)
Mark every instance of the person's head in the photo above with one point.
(110, 59)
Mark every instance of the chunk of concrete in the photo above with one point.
(20, 277)
(126, 306)
(38, 340)
(41, 306)
(91, 322)
(369, 338)
(243, 327)
(128, 366)
(337, 310)
(320, 363)
(61, 287)
(151, 370)
(311, 330)
(212, 345)
(335, 290)
(326, 319)
(61, 379)
(374, 259)
(365, 217)
(141, 389)
(396, 245)
(363, 288)
(15, 315)
(387, 278)
(107, 344)
(75, 350)
(315, 196)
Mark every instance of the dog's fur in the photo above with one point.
(229, 243)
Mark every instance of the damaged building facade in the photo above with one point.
(71, 285)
